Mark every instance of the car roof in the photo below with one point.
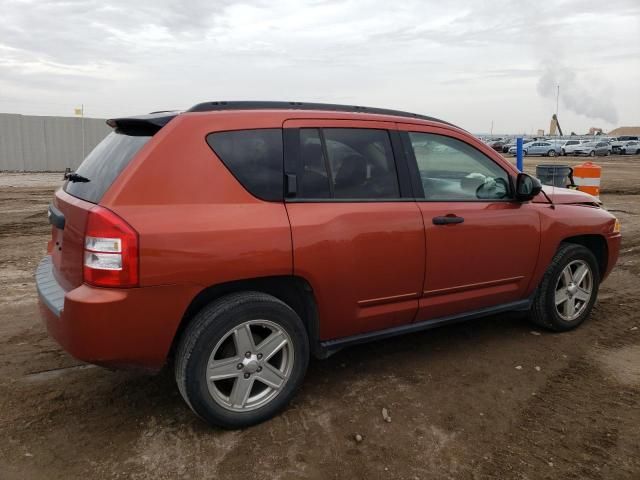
(327, 107)
(156, 120)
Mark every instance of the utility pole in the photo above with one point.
(491, 128)
(557, 100)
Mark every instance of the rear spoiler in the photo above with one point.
(142, 124)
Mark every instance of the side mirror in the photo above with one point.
(527, 187)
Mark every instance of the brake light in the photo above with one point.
(110, 250)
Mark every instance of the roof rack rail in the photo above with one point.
(269, 105)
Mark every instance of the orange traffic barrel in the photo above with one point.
(587, 178)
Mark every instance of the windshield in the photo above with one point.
(103, 165)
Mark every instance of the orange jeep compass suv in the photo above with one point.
(239, 238)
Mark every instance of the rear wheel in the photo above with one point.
(568, 289)
(551, 153)
(241, 359)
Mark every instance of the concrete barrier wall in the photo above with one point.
(47, 144)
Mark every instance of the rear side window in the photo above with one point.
(103, 165)
(254, 157)
(315, 179)
(347, 163)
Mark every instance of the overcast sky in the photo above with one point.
(469, 62)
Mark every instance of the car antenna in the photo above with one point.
(552, 205)
(553, 185)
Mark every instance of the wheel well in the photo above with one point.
(598, 246)
(294, 291)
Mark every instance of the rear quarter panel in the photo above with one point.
(196, 223)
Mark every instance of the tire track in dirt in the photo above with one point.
(571, 429)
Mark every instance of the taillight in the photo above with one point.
(110, 250)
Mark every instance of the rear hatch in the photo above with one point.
(84, 189)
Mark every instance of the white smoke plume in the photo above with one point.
(585, 97)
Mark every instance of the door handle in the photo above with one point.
(447, 219)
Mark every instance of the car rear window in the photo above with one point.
(255, 158)
(103, 165)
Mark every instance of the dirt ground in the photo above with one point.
(492, 398)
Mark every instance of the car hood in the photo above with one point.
(566, 196)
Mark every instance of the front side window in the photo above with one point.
(452, 170)
(254, 157)
(347, 163)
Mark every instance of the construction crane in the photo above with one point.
(555, 125)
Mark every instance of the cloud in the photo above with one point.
(465, 60)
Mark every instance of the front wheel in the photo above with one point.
(568, 289)
(241, 359)
(592, 153)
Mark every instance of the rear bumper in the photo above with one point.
(120, 328)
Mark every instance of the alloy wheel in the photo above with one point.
(250, 365)
(573, 290)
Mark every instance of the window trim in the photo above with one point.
(415, 171)
(327, 162)
(293, 165)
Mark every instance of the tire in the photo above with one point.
(592, 153)
(638, 152)
(218, 333)
(563, 153)
(544, 310)
(551, 153)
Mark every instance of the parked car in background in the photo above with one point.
(497, 144)
(630, 148)
(571, 149)
(512, 143)
(289, 230)
(508, 145)
(546, 149)
(617, 145)
(593, 148)
(566, 144)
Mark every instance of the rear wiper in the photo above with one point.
(75, 177)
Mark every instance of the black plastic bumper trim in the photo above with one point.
(331, 346)
(49, 290)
